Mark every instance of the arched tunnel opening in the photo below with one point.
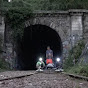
(34, 43)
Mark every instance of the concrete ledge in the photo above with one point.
(62, 11)
(57, 13)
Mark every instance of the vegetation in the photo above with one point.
(73, 59)
(74, 55)
(79, 70)
(16, 18)
(54, 4)
(4, 65)
(16, 14)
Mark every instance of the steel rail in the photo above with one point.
(67, 74)
(76, 76)
(21, 76)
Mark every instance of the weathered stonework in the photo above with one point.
(2, 30)
(76, 27)
(56, 23)
(71, 26)
(85, 27)
(68, 25)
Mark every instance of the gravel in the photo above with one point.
(42, 80)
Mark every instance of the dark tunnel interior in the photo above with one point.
(34, 43)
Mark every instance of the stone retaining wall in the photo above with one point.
(71, 26)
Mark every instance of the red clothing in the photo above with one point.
(49, 61)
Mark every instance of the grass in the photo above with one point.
(74, 54)
(79, 70)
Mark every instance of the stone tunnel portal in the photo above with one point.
(35, 40)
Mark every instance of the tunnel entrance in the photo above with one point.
(35, 40)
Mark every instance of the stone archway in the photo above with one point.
(60, 23)
(34, 43)
(69, 25)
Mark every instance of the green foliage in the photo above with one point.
(16, 14)
(3, 65)
(79, 69)
(74, 55)
(56, 4)
(16, 18)
(68, 63)
(77, 50)
(50, 4)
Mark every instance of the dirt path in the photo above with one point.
(41, 80)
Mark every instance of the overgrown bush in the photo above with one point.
(16, 13)
(16, 17)
(50, 4)
(4, 65)
(79, 69)
(74, 54)
(56, 4)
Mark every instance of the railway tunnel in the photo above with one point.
(34, 43)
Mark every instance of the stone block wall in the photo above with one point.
(2, 29)
(71, 26)
(85, 27)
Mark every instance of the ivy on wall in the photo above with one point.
(16, 17)
(74, 55)
(16, 13)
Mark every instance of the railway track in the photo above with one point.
(10, 78)
(18, 74)
(76, 76)
(46, 79)
(45, 72)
